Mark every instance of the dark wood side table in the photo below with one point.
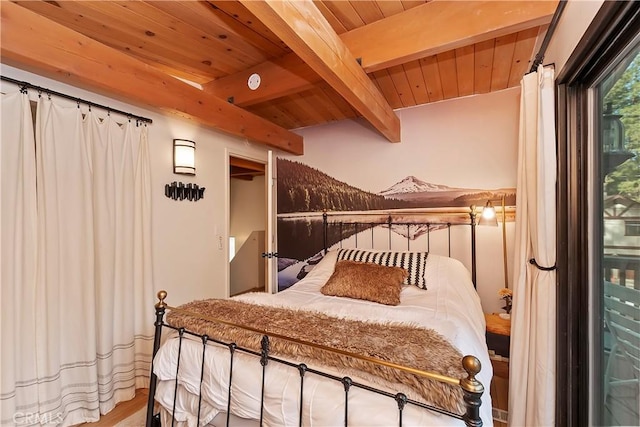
(498, 340)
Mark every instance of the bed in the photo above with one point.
(327, 356)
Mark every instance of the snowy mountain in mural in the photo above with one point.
(302, 188)
(425, 194)
(411, 184)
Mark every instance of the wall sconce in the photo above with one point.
(489, 217)
(184, 157)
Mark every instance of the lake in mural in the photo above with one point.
(359, 218)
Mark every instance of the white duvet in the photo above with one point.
(450, 306)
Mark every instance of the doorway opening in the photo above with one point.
(247, 225)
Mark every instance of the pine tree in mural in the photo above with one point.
(302, 188)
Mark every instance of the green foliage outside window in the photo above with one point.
(624, 99)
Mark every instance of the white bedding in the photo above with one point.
(450, 306)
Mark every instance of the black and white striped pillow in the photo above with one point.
(413, 262)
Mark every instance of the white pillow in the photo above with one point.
(325, 267)
(441, 270)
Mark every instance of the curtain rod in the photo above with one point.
(547, 37)
(26, 85)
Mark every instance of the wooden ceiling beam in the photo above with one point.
(278, 77)
(37, 44)
(440, 26)
(426, 30)
(305, 30)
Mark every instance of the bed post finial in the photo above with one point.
(472, 389)
(162, 295)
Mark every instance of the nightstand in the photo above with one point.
(498, 341)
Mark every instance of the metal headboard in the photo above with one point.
(433, 220)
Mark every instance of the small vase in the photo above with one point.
(504, 316)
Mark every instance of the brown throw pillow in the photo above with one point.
(366, 281)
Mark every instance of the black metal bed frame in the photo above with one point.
(471, 388)
(464, 219)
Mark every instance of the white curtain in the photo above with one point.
(18, 291)
(533, 319)
(121, 222)
(91, 320)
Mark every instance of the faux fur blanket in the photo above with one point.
(402, 344)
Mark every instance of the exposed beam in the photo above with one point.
(305, 30)
(440, 26)
(37, 44)
(420, 32)
(279, 77)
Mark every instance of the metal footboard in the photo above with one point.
(472, 389)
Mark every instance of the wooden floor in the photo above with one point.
(122, 410)
(500, 397)
(259, 289)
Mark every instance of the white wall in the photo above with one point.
(187, 261)
(247, 223)
(248, 208)
(575, 19)
(247, 270)
(466, 142)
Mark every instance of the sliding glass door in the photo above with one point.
(617, 244)
(598, 293)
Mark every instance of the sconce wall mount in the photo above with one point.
(181, 191)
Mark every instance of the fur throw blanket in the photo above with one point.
(402, 344)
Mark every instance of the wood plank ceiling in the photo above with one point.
(319, 62)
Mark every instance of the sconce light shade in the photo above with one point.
(488, 216)
(184, 157)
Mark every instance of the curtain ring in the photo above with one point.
(532, 261)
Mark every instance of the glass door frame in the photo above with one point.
(578, 392)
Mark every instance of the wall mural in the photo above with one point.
(304, 192)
